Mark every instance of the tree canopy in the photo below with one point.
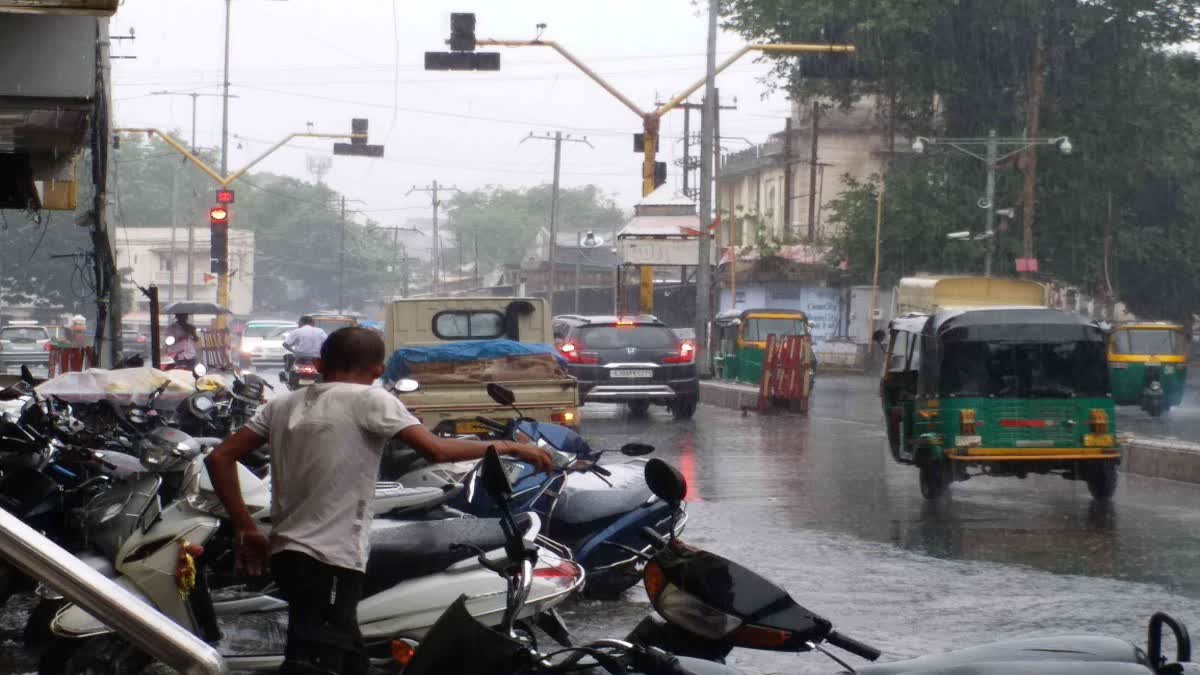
(1107, 73)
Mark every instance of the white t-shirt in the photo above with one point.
(306, 341)
(326, 444)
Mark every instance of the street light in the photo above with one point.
(991, 158)
(587, 240)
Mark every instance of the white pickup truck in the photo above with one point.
(452, 395)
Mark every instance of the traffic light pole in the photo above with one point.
(650, 120)
(223, 179)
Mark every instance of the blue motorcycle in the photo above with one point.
(606, 515)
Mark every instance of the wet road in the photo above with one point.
(817, 505)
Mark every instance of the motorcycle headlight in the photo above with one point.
(685, 610)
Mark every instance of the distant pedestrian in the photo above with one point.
(183, 349)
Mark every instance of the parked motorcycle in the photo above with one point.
(600, 512)
(509, 650)
(414, 572)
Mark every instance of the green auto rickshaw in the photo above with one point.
(1147, 364)
(741, 339)
(1005, 391)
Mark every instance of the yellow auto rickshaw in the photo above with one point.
(1147, 365)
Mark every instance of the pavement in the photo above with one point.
(816, 504)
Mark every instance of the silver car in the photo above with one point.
(24, 346)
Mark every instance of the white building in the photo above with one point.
(144, 256)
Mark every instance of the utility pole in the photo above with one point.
(707, 123)
(558, 139)
(173, 210)
(433, 189)
(342, 258)
(787, 175)
(812, 172)
(990, 197)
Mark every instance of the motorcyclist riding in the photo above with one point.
(304, 344)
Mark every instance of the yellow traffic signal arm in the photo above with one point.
(224, 181)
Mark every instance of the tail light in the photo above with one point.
(566, 418)
(966, 422)
(684, 353)
(562, 570)
(306, 370)
(573, 354)
(1098, 421)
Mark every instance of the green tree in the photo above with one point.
(504, 221)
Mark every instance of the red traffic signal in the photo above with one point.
(224, 196)
(218, 216)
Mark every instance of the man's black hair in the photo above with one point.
(306, 320)
(352, 349)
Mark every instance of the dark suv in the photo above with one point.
(632, 360)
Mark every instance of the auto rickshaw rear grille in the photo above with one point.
(1058, 417)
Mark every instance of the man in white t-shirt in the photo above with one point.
(326, 445)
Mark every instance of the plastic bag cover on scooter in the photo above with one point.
(587, 497)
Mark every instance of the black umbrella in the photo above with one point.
(196, 308)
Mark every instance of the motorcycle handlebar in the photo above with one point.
(491, 423)
(853, 646)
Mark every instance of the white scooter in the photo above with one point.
(416, 570)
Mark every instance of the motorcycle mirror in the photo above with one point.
(636, 449)
(26, 375)
(501, 394)
(495, 481)
(665, 481)
(406, 386)
(199, 370)
(169, 341)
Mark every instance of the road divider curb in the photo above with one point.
(728, 395)
(1160, 457)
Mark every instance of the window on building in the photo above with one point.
(164, 264)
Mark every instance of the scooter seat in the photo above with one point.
(407, 550)
(587, 497)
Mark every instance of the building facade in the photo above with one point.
(754, 188)
(145, 256)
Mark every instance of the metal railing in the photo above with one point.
(143, 625)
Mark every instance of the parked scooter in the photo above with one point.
(414, 572)
(600, 512)
(508, 651)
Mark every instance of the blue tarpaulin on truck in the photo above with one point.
(401, 361)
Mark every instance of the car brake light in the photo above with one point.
(565, 418)
(1098, 421)
(966, 422)
(572, 354)
(684, 353)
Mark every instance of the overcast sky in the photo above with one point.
(300, 61)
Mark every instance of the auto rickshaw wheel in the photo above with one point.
(936, 476)
(1101, 478)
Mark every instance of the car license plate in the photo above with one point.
(471, 428)
(624, 372)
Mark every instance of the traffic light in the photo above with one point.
(358, 146)
(462, 32)
(218, 226)
(462, 54)
(224, 196)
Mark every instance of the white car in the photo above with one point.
(262, 342)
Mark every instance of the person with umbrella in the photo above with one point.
(183, 348)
